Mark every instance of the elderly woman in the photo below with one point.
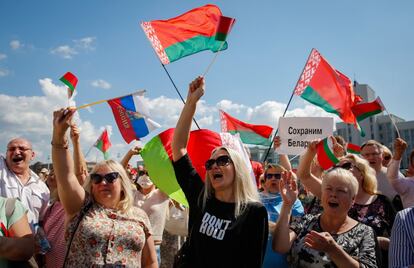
(331, 239)
(103, 227)
(228, 224)
(369, 207)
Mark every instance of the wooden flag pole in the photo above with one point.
(393, 122)
(101, 101)
(214, 59)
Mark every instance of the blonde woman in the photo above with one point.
(228, 225)
(102, 225)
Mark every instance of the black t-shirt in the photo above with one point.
(217, 238)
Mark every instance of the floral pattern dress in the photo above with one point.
(358, 242)
(107, 237)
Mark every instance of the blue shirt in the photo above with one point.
(273, 204)
(401, 253)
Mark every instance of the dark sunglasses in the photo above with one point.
(142, 172)
(387, 157)
(109, 177)
(277, 176)
(222, 161)
(347, 166)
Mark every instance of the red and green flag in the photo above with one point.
(187, 34)
(368, 109)
(325, 154)
(224, 28)
(323, 86)
(249, 134)
(103, 144)
(157, 155)
(353, 148)
(70, 80)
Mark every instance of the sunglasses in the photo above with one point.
(347, 166)
(277, 176)
(142, 172)
(109, 177)
(387, 157)
(221, 161)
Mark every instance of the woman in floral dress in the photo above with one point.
(102, 226)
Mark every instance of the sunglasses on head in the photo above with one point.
(109, 177)
(277, 176)
(222, 161)
(347, 166)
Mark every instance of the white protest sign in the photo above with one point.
(297, 132)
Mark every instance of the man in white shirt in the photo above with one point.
(17, 180)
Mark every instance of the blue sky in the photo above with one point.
(102, 43)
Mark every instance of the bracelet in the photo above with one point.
(64, 145)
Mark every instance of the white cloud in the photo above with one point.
(15, 44)
(68, 51)
(100, 83)
(86, 43)
(4, 72)
(65, 51)
(2, 56)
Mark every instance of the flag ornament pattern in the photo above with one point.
(325, 155)
(70, 80)
(224, 28)
(323, 86)
(132, 116)
(103, 144)
(365, 110)
(249, 134)
(184, 35)
(353, 148)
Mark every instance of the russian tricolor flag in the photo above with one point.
(132, 116)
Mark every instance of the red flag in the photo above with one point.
(103, 143)
(353, 148)
(70, 80)
(224, 28)
(364, 110)
(326, 157)
(327, 88)
(249, 134)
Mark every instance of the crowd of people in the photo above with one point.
(359, 213)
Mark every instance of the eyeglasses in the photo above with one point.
(142, 172)
(222, 161)
(109, 177)
(277, 176)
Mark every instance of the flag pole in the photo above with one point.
(101, 101)
(393, 122)
(287, 106)
(90, 148)
(178, 92)
(214, 59)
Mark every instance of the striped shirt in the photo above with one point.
(401, 253)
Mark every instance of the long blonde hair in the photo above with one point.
(127, 197)
(245, 191)
(369, 183)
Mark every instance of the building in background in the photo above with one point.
(378, 127)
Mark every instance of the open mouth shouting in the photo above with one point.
(217, 176)
(333, 204)
(18, 159)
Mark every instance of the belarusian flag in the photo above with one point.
(353, 148)
(327, 88)
(103, 144)
(157, 155)
(249, 134)
(70, 80)
(224, 28)
(326, 157)
(189, 33)
(364, 110)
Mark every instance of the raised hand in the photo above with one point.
(288, 188)
(338, 149)
(74, 133)
(276, 142)
(313, 145)
(61, 120)
(399, 147)
(196, 89)
(136, 150)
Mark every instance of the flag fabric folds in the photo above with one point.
(70, 80)
(323, 86)
(325, 155)
(249, 134)
(157, 155)
(364, 110)
(353, 148)
(103, 144)
(189, 33)
(224, 28)
(132, 116)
